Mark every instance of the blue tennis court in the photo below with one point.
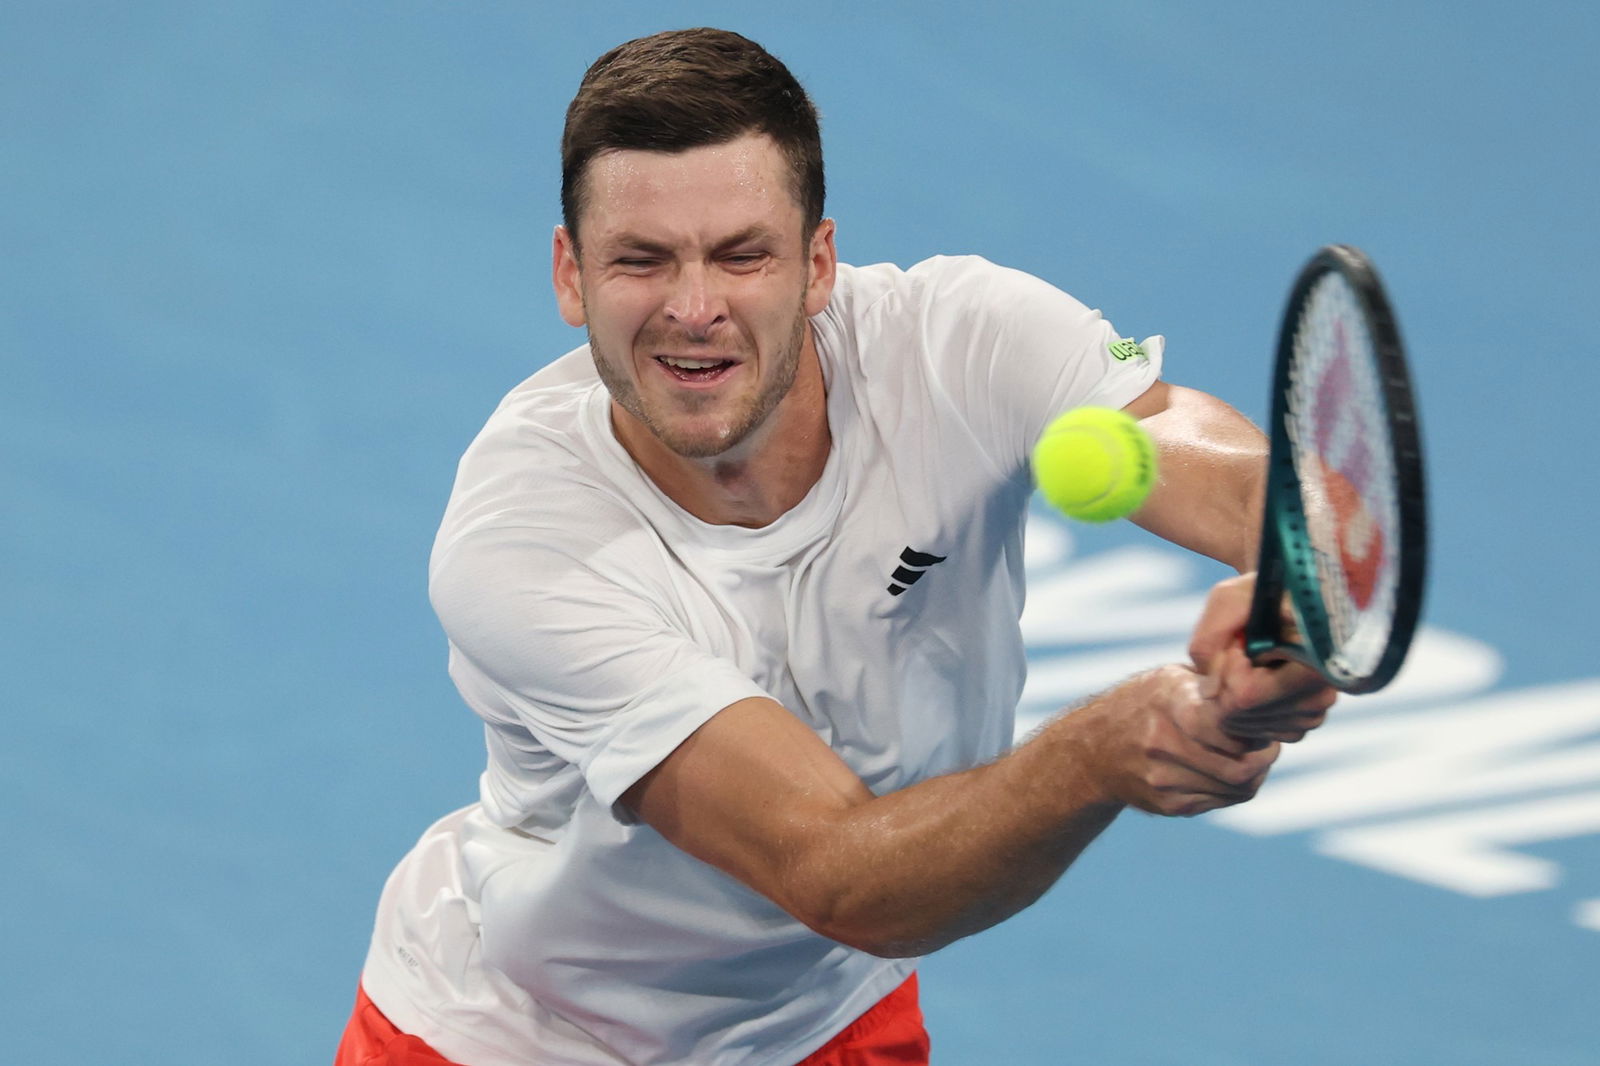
(266, 267)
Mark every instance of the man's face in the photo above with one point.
(695, 282)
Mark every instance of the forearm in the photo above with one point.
(1212, 478)
(916, 869)
(755, 793)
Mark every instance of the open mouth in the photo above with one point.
(695, 371)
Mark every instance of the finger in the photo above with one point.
(1222, 620)
(1284, 731)
(1295, 706)
(1188, 791)
(1181, 760)
(1242, 685)
(1309, 710)
(1259, 704)
(1199, 716)
(1224, 770)
(1299, 715)
(1284, 728)
(1190, 764)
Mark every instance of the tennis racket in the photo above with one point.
(1345, 531)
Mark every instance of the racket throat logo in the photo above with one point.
(1359, 537)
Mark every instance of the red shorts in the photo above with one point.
(889, 1034)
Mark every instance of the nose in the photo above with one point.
(696, 302)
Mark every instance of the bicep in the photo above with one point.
(753, 791)
(1212, 463)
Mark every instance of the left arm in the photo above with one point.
(1212, 482)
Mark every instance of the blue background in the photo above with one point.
(265, 268)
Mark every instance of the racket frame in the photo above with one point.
(1287, 562)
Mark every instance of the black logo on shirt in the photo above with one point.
(914, 565)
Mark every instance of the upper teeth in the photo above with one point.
(691, 364)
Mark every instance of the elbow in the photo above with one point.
(885, 944)
(885, 929)
(871, 902)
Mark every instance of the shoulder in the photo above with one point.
(544, 467)
(975, 285)
(942, 288)
(951, 301)
(860, 287)
(575, 367)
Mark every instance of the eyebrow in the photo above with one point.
(634, 241)
(756, 232)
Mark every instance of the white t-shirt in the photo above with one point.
(594, 625)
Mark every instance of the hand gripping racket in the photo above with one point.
(1345, 530)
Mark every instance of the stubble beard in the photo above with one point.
(738, 425)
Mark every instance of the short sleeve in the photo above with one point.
(586, 661)
(1012, 351)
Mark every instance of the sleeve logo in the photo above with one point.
(1122, 351)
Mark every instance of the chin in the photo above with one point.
(702, 440)
(701, 445)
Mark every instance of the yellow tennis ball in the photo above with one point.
(1095, 464)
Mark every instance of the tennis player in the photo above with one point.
(735, 588)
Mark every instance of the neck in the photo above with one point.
(761, 478)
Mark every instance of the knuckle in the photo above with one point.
(1240, 776)
(1261, 761)
(1154, 740)
(1184, 805)
(1254, 690)
(1245, 693)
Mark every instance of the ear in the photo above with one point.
(823, 267)
(564, 277)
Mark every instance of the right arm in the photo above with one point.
(757, 794)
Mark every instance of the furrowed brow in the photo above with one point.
(755, 234)
(622, 243)
(634, 243)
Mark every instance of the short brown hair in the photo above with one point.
(688, 89)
